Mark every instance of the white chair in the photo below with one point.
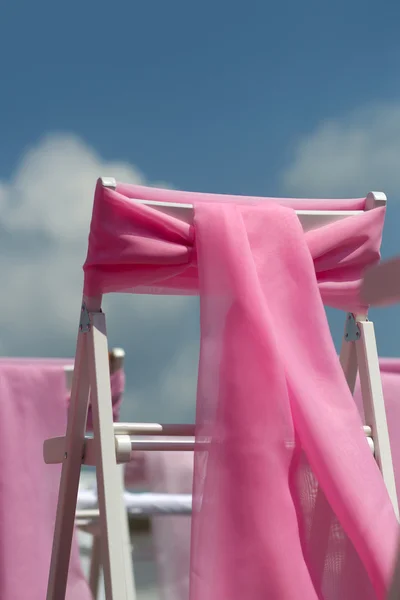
(381, 287)
(112, 443)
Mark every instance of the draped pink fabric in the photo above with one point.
(273, 406)
(133, 247)
(32, 409)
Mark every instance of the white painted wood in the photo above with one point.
(70, 474)
(55, 448)
(310, 219)
(118, 575)
(353, 358)
(154, 429)
(321, 525)
(374, 405)
(92, 368)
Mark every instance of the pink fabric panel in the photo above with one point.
(270, 389)
(390, 373)
(171, 472)
(273, 405)
(117, 391)
(32, 408)
(133, 247)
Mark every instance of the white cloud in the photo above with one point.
(45, 215)
(349, 156)
(45, 210)
(51, 191)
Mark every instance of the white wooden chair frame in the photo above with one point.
(87, 520)
(381, 287)
(112, 444)
(117, 357)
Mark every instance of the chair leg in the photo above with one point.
(118, 577)
(374, 405)
(70, 475)
(364, 355)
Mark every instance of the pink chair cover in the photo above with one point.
(32, 408)
(273, 404)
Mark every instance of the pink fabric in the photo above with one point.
(135, 248)
(117, 390)
(135, 472)
(390, 374)
(273, 404)
(32, 408)
(167, 473)
(171, 472)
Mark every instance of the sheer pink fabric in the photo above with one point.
(133, 247)
(167, 473)
(32, 409)
(273, 406)
(171, 472)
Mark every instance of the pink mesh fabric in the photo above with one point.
(167, 473)
(133, 247)
(274, 413)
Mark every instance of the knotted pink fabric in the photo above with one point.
(32, 409)
(133, 247)
(274, 413)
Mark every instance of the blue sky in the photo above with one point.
(257, 98)
(207, 95)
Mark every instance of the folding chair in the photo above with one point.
(381, 287)
(141, 507)
(113, 443)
